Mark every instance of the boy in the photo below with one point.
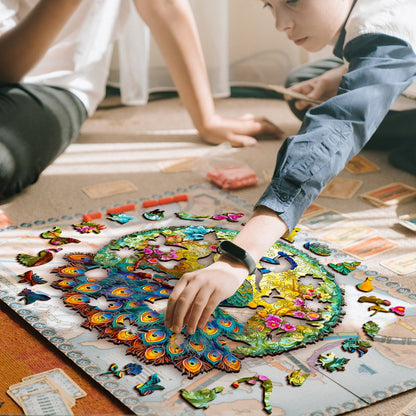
(54, 62)
(377, 39)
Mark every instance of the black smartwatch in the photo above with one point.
(237, 253)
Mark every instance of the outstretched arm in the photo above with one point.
(173, 28)
(25, 44)
(380, 69)
(198, 293)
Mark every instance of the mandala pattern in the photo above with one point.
(290, 301)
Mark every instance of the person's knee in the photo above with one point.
(7, 171)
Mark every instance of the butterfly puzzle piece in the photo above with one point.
(200, 398)
(30, 277)
(43, 257)
(55, 238)
(150, 386)
(86, 227)
(229, 216)
(121, 218)
(30, 297)
(265, 383)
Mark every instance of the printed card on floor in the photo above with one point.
(323, 220)
(37, 385)
(360, 164)
(313, 210)
(102, 190)
(348, 235)
(341, 188)
(370, 247)
(408, 221)
(402, 265)
(45, 403)
(392, 194)
(63, 380)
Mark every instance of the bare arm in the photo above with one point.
(24, 45)
(173, 28)
(198, 293)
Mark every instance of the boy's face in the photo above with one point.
(312, 24)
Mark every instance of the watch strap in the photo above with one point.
(237, 253)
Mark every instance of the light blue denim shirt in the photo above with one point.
(381, 67)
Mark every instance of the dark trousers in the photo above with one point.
(37, 123)
(396, 133)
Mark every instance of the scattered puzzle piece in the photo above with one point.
(295, 378)
(365, 286)
(150, 386)
(319, 249)
(30, 297)
(290, 237)
(190, 217)
(355, 344)
(155, 215)
(345, 267)
(55, 238)
(43, 257)
(121, 218)
(89, 227)
(200, 398)
(371, 329)
(265, 383)
(331, 363)
(30, 277)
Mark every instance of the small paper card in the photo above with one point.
(392, 194)
(408, 221)
(370, 247)
(48, 402)
(341, 188)
(323, 220)
(349, 234)
(313, 210)
(102, 190)
(360, 164)
(402, 265)
(63, 380)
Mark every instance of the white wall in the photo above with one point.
(241, 46)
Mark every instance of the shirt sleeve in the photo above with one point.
(381, 67)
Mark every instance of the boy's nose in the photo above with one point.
(283, 22)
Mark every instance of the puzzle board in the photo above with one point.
(387, 369)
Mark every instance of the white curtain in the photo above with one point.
(240, 43)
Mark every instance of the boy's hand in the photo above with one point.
(198, 293)
(321, 88)
(239, 132)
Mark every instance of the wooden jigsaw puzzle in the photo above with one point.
(100, 300)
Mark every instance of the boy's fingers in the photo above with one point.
(176, 293)
(182, 305)
(208, 311)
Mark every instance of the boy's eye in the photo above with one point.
(291, 1)
(267, 5)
